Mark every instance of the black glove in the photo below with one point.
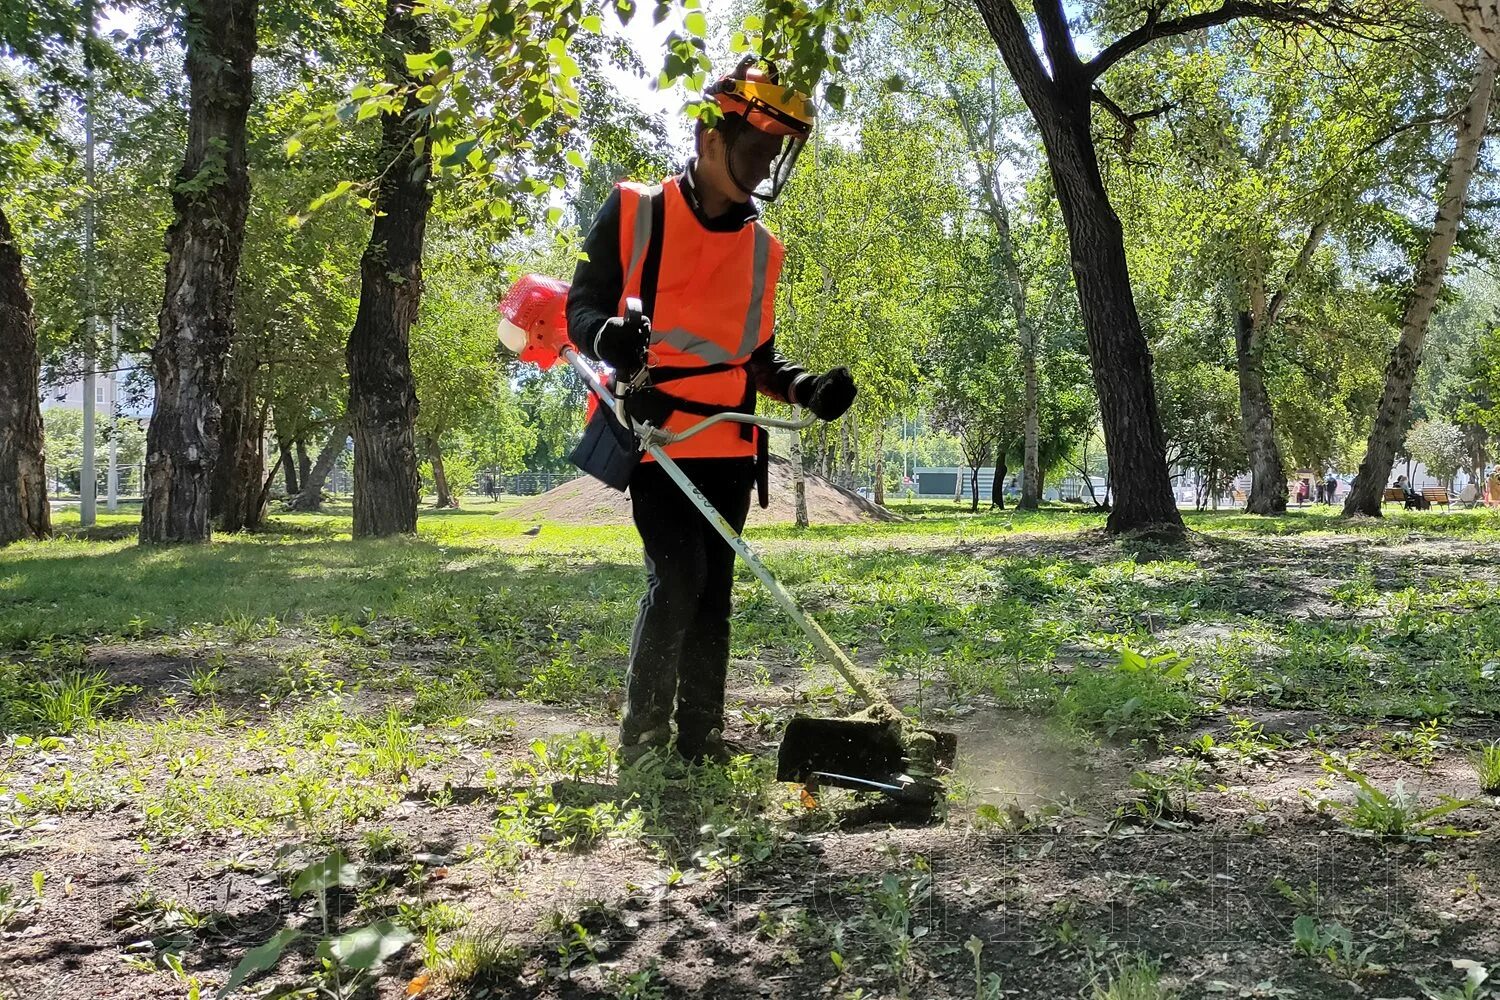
(828, 396)
(622, 343)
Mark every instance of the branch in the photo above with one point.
(1057, 40)
(1128, 120)
(1294, 273)
(1014, 41)
(1230, 10)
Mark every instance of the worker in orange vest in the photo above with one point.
(705, 269)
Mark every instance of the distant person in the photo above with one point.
(1301, 491)
(489, 487)
(1414, 499)
(1492, 498)
(1331, 486)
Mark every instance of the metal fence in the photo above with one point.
(521, 484)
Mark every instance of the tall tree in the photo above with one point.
(36, 70)
(24, 508)
(1401, 372)
(382, 396)
(211, 197)
(1060, 88)
(1061, 103)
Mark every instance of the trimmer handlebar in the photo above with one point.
(651, 435)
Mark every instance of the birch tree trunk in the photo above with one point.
(799, 475)
(1401, 372)
(1480, 19)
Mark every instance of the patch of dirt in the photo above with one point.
(587, 501)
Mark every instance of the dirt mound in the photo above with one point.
(587, 501)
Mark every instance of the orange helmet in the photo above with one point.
(752, 95)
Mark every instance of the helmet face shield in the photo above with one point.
(771, 125)
(760, 164)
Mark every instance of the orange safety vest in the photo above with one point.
(715, 304)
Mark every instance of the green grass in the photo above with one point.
(1487, 767)
(994, 603)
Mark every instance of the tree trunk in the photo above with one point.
(799, 475)
(880, 463)
(997, 484)
(973, 489)
(235, 500)
(382, 396)
(847, 431)
(1031, 467)
(1118, 353)
(304, 464)
(24, 509)
(265, 488)
(210, 198)
(289, 467)
(1267, 473)
(1480, 19)
(1013, 286)
(311, 498)
(1401, 372)
(439, 474)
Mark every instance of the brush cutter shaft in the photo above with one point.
(655, 439)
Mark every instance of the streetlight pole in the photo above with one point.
(87, 485)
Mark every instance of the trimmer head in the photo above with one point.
(864, 755)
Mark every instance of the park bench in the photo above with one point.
(1393, 494)
(1437, 495)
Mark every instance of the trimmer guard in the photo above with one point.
(860, 754)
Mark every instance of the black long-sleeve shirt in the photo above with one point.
(599, 280)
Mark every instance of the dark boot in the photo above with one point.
(710, 748)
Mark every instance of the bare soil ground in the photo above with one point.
(587, 501)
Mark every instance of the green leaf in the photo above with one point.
(835, 96)
(696, 24)
(460, 153)
(325, 873)
(367, 947)
(259, 959)
(327, 196)
(293, 147)
(592, 23)
(576, 158)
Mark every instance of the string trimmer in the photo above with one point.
(879, 749)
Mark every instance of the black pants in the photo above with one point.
(680, 650)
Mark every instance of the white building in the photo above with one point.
(109, 392)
